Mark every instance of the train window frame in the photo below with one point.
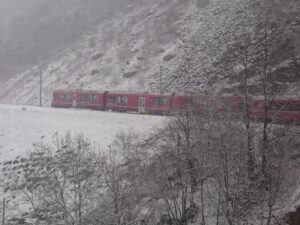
(118, 99)
(124, 100)
(96, 98)
(274, 106)
(281, 106)
(192, 102)
(241, 104)
(257, 105)
(111, 99)
(155, 101)
(227, 104)
(56, 96)
(62, 96)
(68, 97)
(163, 101)
(83, 97)
(289, 106)
(196, 101)
(188, 102)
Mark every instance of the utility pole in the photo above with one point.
(160, 80)
(3, 212)
(41, 81)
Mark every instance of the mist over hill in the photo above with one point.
(34, 30)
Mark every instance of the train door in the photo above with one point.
(142, 103)
(74, 102)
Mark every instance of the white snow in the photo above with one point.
(21, 126)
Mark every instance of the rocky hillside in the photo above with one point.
(193, 41)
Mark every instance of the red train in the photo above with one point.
(124, 102)
(278, 110)
(281, 110)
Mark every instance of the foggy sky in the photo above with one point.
(33, 29)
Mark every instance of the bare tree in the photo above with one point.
(244, 56)
(120, 169)
(177, 168)
(64, 178)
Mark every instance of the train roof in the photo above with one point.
(118, 92)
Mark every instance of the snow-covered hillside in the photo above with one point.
(189, 39)
(22, 126)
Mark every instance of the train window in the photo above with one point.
(159, 101)
(241, 105)
(192, 102)
(96, 98)
(111, 98)
(274, 106)
(163, 101)
(282, 106)
(83, 97)
(297, 107)
(196, 101)
(155, 101)
(118, 99)
(124, 100)
(188, 102)
(226, 104)
(257, 105)
(289, 106)
(90, 98)
(67, 96)
(63, 96)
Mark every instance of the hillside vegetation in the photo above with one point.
(198, 169)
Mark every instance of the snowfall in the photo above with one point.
(22, 126)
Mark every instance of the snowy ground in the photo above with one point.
(21, 126)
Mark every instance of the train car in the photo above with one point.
(78, 99)
(142, 103)
(223, 104)
(138, 102)
(89, 100)
(278, 110)
(231, 104)
(148, 103)
(158, 104)
(188, 104)
(153, 103)
(121, 102)
(62, 98)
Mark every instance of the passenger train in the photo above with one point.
(279, 110)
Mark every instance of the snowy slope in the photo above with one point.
(21, 126)
(189, 39)
(126, 53)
